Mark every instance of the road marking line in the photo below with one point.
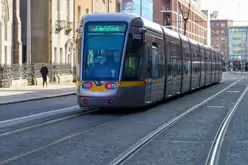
(216, 106)
(35, 116)
(123, 156)
(219, 138)
(233, 91)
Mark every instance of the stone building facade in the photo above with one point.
(5, 31)
(104, 6)
(92, 6)
(10, 32)
(51, 31)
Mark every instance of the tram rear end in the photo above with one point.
(111, 69)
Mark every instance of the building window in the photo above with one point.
(6, 31)
(61, 55)
(58, 9)
(222, 38)
(223, 32)
(6, 54)
(87, 11)
(212, 25)
(217, 24)
(79, 14)
(68, 11)
(223, 25)
(217, 31)
(55, 55)
(217, 38)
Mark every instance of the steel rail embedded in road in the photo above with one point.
(19, 120)
(40, 148)
(130, 151)
(213, 156)
(46, 123)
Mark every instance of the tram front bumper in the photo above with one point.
(92, 102)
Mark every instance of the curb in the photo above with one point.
(39, 98)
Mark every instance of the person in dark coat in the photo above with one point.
(44, 73)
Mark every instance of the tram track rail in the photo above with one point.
(118, 160)
(53, 121)
(213, 155)
(141, 143)
(62, 139)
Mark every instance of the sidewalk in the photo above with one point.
(10, 95)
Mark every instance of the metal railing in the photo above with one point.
(8, 73)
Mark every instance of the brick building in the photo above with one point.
(219, 35)
(167, 13)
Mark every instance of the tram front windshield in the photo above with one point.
(103, 47)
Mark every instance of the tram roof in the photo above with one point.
(129, 17)
(122, 17)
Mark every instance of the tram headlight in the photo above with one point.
(87, 85)
(111, 86)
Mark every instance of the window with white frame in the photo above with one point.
(58, 9)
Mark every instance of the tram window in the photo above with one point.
(102, 59)
(169, 58)
(186, 57)
(79, 56)
(208, 61)
(149, 60)
(173, 59)
(169, 69)
(133, 58)
(155, 57)
(178, 59)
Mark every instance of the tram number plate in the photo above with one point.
(137, 36)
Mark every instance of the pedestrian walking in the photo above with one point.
(44, 73)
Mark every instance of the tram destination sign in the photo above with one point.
(107, 28)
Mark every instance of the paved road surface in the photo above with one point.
(97, 138)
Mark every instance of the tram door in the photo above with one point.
(149, 73)
(169, 90)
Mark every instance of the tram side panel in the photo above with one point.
(212, 67)
(203, 67)
(220, 67)
(132, 86)
(169, 84)
(208, 69)
(155, 65)
(215, 67)
(198, 68)
(176, 68)
(195, 67)
(186, 67)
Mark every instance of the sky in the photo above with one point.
(236, 10)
